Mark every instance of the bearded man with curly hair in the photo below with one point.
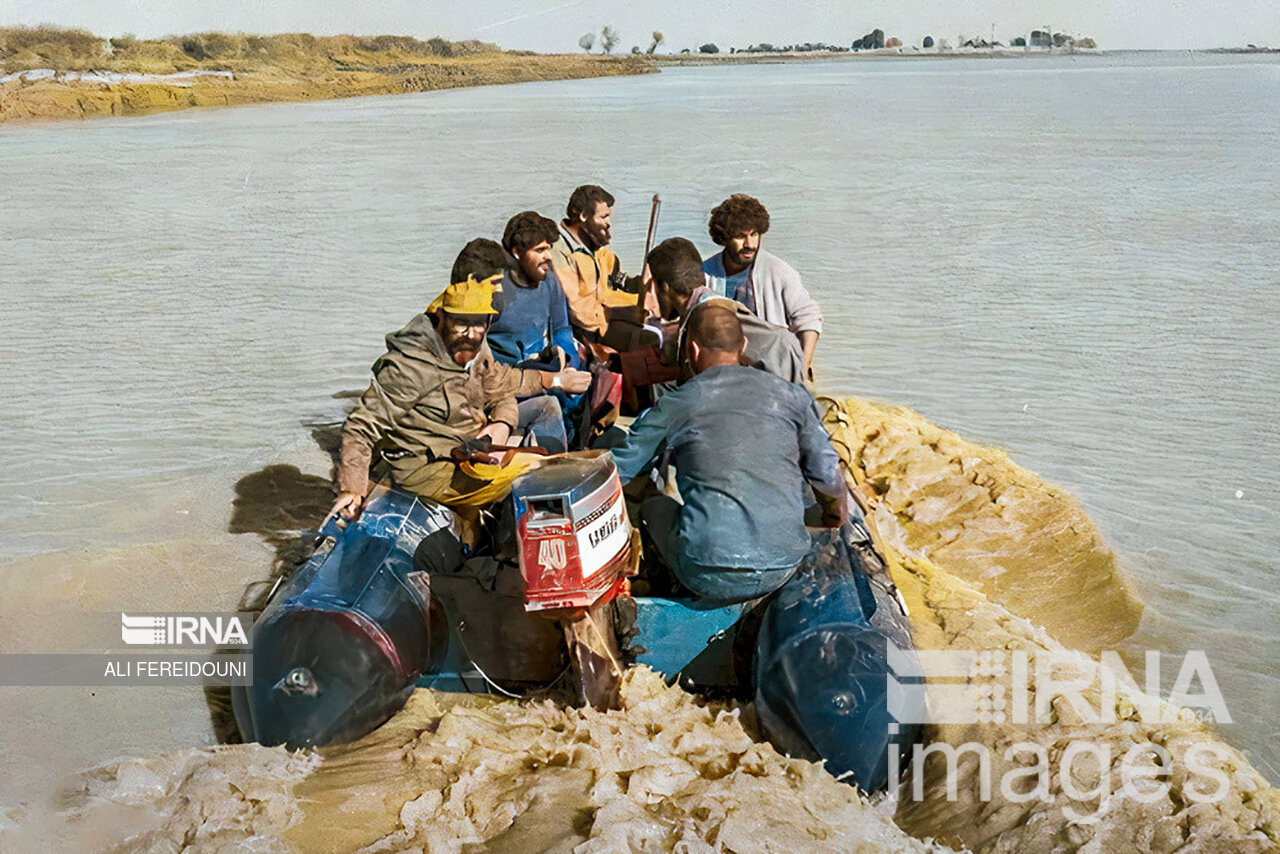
(760, 280)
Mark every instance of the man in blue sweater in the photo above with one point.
(746, 446)
(532, 328)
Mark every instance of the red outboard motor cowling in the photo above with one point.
(575, 540)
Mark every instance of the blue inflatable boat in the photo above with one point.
(394, 601)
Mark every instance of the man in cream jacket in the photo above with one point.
(760, 280)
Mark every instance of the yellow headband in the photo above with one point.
(469, 297)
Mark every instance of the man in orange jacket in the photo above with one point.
(591, 276)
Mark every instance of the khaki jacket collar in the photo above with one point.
(575, 245)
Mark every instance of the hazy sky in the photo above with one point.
(556, 25)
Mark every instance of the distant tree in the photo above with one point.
(873, 40)
(587, 41)
(1086, 42)
(708, 48)
(1019, 42)
(928, 41)
(658, 39)
(608, 39)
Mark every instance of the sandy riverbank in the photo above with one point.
(54, 98)
(48, 74)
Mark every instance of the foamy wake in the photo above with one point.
(977, 544)
(662, 774)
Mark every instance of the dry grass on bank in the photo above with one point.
(24, 48)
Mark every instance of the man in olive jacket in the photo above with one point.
(436, 387)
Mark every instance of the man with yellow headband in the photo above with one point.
(436, 387)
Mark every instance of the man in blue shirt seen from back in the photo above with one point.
(532, 329)
(747, 445)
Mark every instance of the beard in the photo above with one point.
(743, 258)
(463, 350)
(463, 355)
(596, 236)
(536, 274)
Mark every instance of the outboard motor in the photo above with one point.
(574, 534)
(577, 551)
(835, 674)
(338, 648)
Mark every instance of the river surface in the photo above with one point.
(1072, 258)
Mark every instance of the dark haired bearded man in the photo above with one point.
(680, 289)
(760, 280)
(532, 328)
(590, 274)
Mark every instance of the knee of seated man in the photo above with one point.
(542, 407)
(549, 407)
(718, 586)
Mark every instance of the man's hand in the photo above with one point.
(348, 505)
(835, 509)
(572, 381)
(649, 297)
(497, 431)
(809, 344)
